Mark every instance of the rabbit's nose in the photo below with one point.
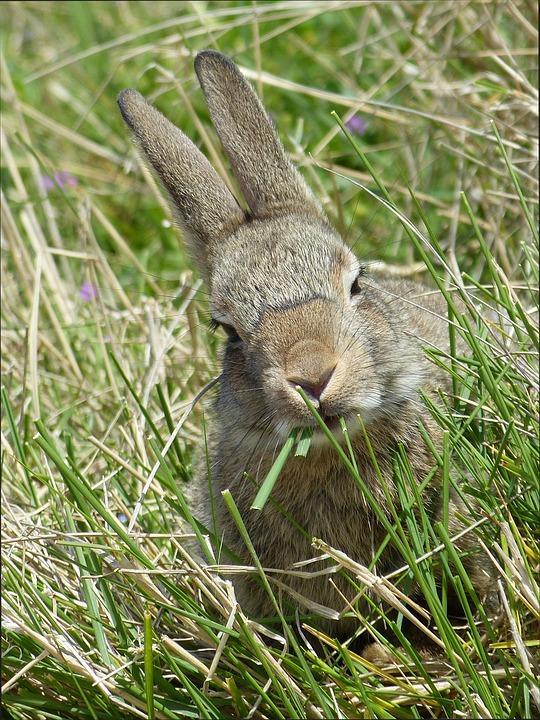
(313, 386)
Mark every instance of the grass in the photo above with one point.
(105, 350)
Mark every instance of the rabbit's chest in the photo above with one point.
(334, 512)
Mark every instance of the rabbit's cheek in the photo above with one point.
(368, 404)
(406, 384)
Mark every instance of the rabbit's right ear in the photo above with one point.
(201, 201)
(268, 179)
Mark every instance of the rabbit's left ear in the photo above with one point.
(268, 179)
(202, 202)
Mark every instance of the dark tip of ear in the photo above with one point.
(207, 59)
(128, 100)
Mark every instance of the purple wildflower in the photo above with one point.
(88, 291)
(61, 179)
(47, 182)
(64, 179)
(356, 125)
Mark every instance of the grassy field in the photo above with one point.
(105, 346)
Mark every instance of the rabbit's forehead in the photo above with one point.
(278, 265)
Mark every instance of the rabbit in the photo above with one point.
(299, 310)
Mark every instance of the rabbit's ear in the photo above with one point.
(202, 202)
(269, 181)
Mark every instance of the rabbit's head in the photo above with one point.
(290, 294)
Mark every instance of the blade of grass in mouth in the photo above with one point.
(304, 442)
(302, 439)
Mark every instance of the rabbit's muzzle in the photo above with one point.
(310, 346)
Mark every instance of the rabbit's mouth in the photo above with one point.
(331, 421)
(335, 424)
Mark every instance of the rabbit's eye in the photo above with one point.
(356, 288)
(229, 330)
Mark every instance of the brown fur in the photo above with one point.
(282, 279)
